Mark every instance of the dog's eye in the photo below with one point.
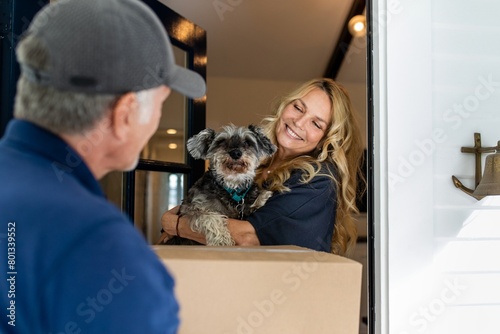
(218, 142)
(248, 143)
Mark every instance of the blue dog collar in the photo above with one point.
(236, 195)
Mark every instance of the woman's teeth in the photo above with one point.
(292, 134)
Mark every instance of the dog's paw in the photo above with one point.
(219, 236)
(214, 227)
(219, 240)
(261, 199)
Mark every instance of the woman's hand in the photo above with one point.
(174, 225)
(241, 231)
(169, 221)
(166, 219)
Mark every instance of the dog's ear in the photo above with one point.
(264, 143)
(198, 145)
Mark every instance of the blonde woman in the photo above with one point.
(313, 175)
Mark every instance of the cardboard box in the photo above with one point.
(254, 290)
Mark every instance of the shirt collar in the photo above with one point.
(66, 162)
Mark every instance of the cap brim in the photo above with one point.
(187, 82)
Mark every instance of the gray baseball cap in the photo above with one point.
(107, 47)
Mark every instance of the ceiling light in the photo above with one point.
(172, 146)
(171, 131)
(357, 26)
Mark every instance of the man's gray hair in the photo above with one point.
(59, 111)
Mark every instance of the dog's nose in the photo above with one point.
(235, 154)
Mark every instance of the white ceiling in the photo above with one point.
(289, 40)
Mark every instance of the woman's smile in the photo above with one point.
(292, 133)
(303, 123)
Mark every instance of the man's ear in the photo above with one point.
(122, 115)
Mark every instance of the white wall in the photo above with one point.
(437, 81)
(247, 101)
(242, 101)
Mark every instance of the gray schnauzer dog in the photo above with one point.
(227, 189)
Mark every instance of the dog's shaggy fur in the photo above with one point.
(227, 189)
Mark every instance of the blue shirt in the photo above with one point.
(304, 216)
(76, 263)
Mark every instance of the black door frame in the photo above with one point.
(15, 16)
(195, 45)
(370, 170)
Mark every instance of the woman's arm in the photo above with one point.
(241, 231)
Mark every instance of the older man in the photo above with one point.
(94, 75)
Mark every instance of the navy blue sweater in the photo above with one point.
(304, 216)
(77, 263)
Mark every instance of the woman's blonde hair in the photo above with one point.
(341, 146)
